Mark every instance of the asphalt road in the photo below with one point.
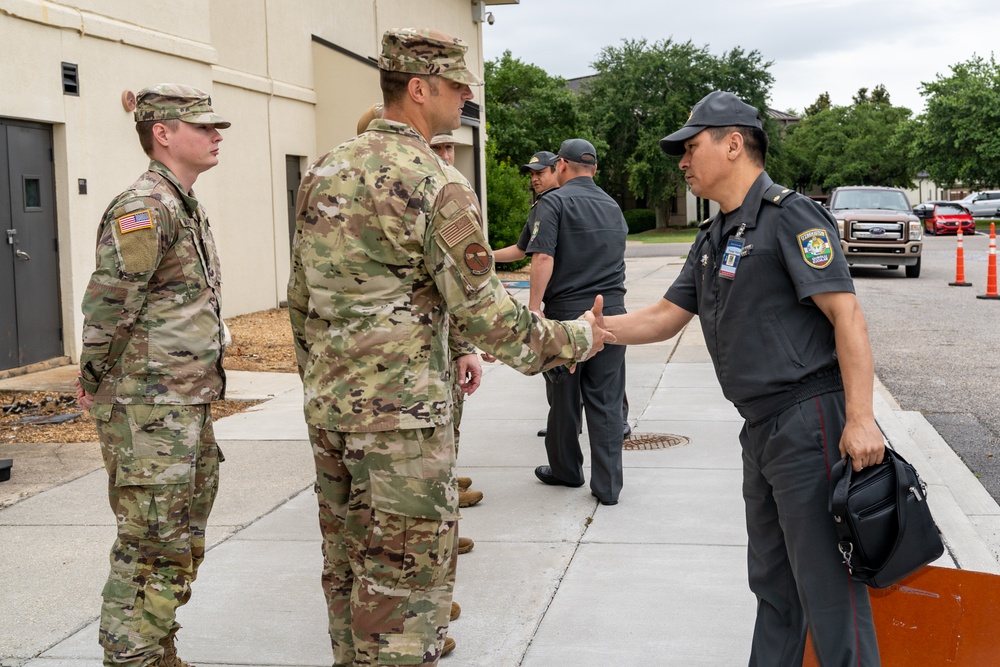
(936, 347)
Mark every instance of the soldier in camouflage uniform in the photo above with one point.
(150, 366)
(388, 247)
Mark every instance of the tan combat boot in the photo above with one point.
(464, 483)
(465, 545)
(170, 658)
(469, 497)
(456, 611)
(449, 646)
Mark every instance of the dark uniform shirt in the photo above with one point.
(584, 230)
(529, 226)
(770, 344)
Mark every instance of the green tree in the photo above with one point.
(644, 91)
(867, 143)
(958, 137)
(507, 200)
(528, 110)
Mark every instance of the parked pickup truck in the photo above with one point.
(877, 227)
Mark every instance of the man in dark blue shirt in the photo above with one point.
(577, 246)
(771, 288)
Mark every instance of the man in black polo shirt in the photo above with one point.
(786, 334)
(578, 252)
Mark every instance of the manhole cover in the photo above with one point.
(643, 441)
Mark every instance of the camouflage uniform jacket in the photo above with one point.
(152, 330)
(388, 244)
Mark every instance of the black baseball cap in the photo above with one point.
(578, 150)
(717, 109)
(539, 161)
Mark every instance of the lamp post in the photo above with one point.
(921, 177)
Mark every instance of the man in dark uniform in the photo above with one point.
(790, 347)
(542, 167)
(578, 252)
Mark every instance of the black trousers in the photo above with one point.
(794, 567)
(599, 383)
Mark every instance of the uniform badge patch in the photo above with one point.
(458, 230)
(534, 230)
(816, 248)
(478, 259)
(135, 221)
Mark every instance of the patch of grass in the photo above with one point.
(685, 235)
(982, 225)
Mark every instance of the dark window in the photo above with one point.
(32, 193)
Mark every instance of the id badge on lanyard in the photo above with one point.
(731, 257)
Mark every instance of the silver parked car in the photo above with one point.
(984, 204)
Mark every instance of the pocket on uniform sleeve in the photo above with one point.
(413, 531)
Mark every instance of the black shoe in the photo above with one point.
(544, 473)
(604, 502)
(542, 432)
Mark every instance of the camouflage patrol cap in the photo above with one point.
(425, 51)
(167, 101)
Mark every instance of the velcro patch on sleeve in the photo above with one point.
(816, 248)
(131, 222)
(137, 242)
(478, 259)
(458, 229)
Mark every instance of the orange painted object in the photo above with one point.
(991, 267)
(960, 263)
(938, 616)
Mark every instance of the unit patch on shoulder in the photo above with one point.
(135, 221)
(478, 259)
(534, 230)
(458, 229)
(816, 248)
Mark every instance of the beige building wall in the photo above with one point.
(286, 95)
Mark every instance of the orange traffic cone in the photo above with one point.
(991, 268)
(960, 264)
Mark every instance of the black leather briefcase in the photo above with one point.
(884, 525)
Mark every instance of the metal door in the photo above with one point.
(293, 177)
(29, 264)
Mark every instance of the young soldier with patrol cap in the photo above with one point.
(389, 249)
(150, 365)
(790, 347)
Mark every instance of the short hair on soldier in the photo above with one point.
(144, 128)
(755, 141)
(394, 85)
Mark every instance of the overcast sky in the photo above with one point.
(836, 46)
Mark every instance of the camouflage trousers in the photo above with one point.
(388, 512)
(163, 474)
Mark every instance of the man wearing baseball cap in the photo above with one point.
(150, 366)
(577, 248)
(390, 258)
(786, 334)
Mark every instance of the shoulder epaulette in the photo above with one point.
(776, 194)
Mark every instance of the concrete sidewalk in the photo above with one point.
(555, 579)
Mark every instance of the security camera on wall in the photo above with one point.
(489, 18)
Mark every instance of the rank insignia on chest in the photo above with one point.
(704, 259)
(816, 249)
(135, 221)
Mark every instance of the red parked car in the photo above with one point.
(944, 217)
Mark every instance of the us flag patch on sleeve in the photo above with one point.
(458, 230)
(135, 221)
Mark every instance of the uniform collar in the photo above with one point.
(395, 127)
(747, 212)
(188, 197)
